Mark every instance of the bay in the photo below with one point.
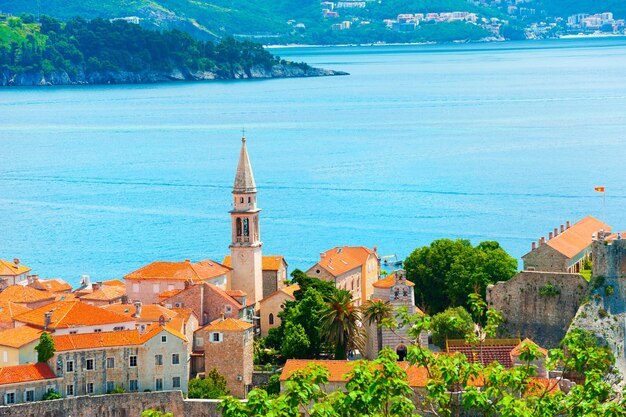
(479, 141)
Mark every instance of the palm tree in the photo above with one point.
(341, 324)
(375, 311)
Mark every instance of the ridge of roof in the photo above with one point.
(67, 314)
(17, 337)
(182, 271)
(229, 324)
(341, 259)
(22, 294)
(574, 240)
(25, 373)
(11, 268)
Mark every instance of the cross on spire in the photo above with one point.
(243, 134)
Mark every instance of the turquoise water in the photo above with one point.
(485, 141)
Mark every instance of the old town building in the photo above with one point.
(26, 383)
(12, 273)
(275, 272)
(272, 305)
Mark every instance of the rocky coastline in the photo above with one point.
(39, 78)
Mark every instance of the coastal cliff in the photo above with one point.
(81, 77)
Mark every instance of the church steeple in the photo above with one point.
(244, 179)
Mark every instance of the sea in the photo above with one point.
(490, 141)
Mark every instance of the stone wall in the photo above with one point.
(543, 318)
(545, 258)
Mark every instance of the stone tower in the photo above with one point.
(245, 249)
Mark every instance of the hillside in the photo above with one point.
(99, 51)
(281, 21)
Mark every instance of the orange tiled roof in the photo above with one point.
(269, 262)
(105, 293)
(340, 260)
(183, 313)
(168, 294)
(96, 340)
(149, 312)
(50, 285)
(235, 293)
(22, 294)
(183, 271)
(578, 237)
(71, 314)
(25, 373)
(65, 296)
(154, 329)
(389, 281)
(288, 290)
(8, 310)
(12, 269)
(492, 350)
(19, 336)
(115, 282)
(228, 324)
(517, 350)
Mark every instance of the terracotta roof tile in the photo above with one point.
(22, 294)
(168, 294)
(235, 293)
(67, 314)
(106, 293)
(183, 271)
(65, 296)
(288, 290)
(492, 350)
(269, 262)
(183, 313)
(578, 237)
(96, 340)
(50, 285)
(8, 310)
(340, 260)
(149, 312)
(518, 349)
(12, 269)
(389, 281)
(228, 324)
(19, 336)
(115, 282)
(25, 373)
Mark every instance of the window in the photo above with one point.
(228, 308)
(132, 361)
(271, 318)
(89, 365)
(135, 287)
(29, 395)
(110, 386)
(73, 332)
(199, 341)
(163, 339)
(10, 398)
(118, 328)
(249, 199)
(158, 359)
(69, 366)
(175, 359)
(89, 388)
(132, 385)
(155, 288)
(110, 363)
(241, 200)
(170, 287)
(69, 390)
(216, 337)
(159, 384)
(5, 356)
(176, 382)
(246, 227)
(97, 330)
(179, 305)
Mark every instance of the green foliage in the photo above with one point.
(609, 290)
(155, 413)
(549, 290)
(212, 386)
(51, 395)
(273, 385)
(453, 323)
(447, 270)
(100, 46)
(340, 324)
(45, 349)
(296, 344)
(119, 389)
(325, 288)
(597, 282)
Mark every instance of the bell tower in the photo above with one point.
(245, 249)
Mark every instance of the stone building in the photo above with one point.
(566, 248)
(226, 345)
(97, 363)
(272, 305)
(245, 248)
(210, 302)
(26, 383)
(146, 283)
(12, 273)
(275, 272)
(396, 291)
(351, 268)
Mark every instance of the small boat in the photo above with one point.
(391, 260)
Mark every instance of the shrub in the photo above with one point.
(609, 290)
(51, 395)
(602, 313)
(549, 290)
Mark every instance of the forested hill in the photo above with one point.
(100, 51)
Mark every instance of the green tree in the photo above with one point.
(214, 385)
(453, 323)
(51, 395)
(155, 413)
(340, 324)
(375, 311)
(45, 349)
(447, 270)
(295, 344)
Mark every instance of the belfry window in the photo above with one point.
(241, 200)
(238, 226)
(246, 228)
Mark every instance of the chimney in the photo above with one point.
(562, 228)
(556, 232)
(96, 286)
(322, 255)
(567, 226)
(396, 276)
(187, 261)
(47, 319)
(29, 279)
(542, 241)
(222, 316)
(16, 261)
(550, 235)
(124, 299)
(376, 249)
(137, 309)
(534, 246)
(187, 284)
(84, 280)
(161, 320)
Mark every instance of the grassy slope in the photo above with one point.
(18, 34)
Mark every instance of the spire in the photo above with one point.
(244, 179)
